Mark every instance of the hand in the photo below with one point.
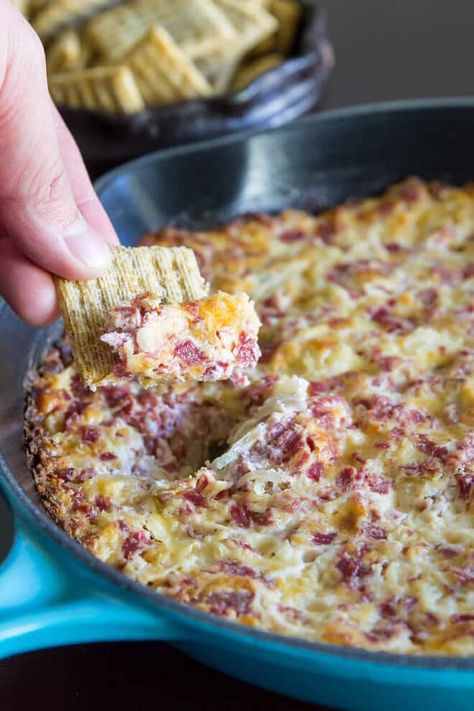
(51, 220)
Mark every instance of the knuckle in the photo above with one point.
(52, 199)
(45, 192)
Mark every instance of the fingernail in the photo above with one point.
(85, 245)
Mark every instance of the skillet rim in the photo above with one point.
(184, 614)
(405, 105)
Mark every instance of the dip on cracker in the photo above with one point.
(214, 338)
(149, 317)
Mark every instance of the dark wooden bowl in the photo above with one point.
(280, 95)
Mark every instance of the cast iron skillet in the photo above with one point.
(54, 592)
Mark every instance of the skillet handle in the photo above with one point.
(44, 605)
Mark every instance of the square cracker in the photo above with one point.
(170, 272)
(198, 27)
(109, 89)
(53, 16)
(163, 72)
(251, 22)
(219, 67)
(252, 26)
(65, 52)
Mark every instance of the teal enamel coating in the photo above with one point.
(342, 684)
(51, 591)
(43, 605)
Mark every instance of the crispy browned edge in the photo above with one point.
(39, 464)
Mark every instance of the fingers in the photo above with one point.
(50, 217)
(38, 207)
(26, 287)
(83, 191)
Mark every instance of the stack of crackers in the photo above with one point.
(124, 56)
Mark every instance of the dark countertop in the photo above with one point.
(136, 677)
(385, 49)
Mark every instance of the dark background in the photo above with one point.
(400, 49)
(385, 49)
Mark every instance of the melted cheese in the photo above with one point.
(214, 338)
(332, 498)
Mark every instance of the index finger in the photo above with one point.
(82, 188)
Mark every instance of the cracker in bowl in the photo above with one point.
(197, 26)
(56, 15)
(175, 51)
(162, 71)
(110, 89)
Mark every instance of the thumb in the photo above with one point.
(37, 205)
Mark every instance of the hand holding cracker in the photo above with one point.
(50, 218)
